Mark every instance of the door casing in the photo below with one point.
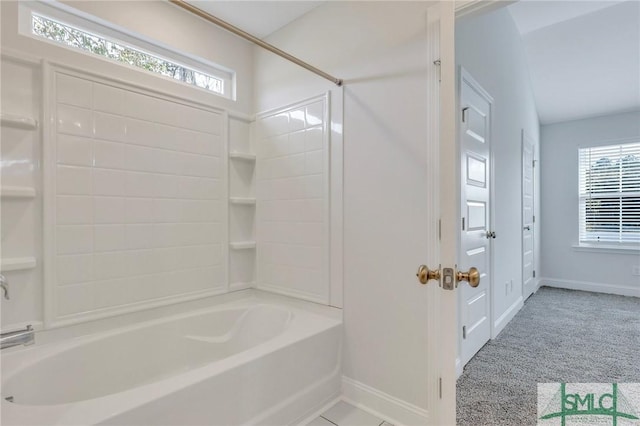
(528, 289)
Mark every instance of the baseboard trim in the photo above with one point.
(507, 316)
(382, 405)
(590, 286)
(538, 285)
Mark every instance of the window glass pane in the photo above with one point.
(79, 39)
(610, 193)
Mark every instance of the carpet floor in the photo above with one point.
(558, 336)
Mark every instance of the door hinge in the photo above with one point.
(534, 274)
(463, 223)
(464, 115)
(534, 218)
(440, 229)
(533, 163)
(464, 331)
(437, 63)
(440, 387)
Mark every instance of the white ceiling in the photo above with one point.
(258, 18)
(584, 56)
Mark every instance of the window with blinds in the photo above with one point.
(610, 194)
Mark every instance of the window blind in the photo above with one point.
(609, 192)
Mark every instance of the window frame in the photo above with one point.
(68, 16)
(593, 245)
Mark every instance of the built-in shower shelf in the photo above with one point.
(17, 263)
(17, 192)
(18, 121)
(244, 156)
(242, 200)
(242, 245)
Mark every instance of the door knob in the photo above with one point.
(472, 277)
(425, 274)
(490, 234)
(527, 228)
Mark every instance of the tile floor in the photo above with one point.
(344, 414)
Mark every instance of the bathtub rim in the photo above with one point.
(101, 408)
(54, 334)
(37, 353)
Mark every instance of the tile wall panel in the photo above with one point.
(140, 199)
(292, 202)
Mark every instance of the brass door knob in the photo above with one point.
(472, 277)
(425, 274)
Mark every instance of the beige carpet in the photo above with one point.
(558, 336)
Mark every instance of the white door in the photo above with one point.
(442, 307)
(443, 120)
(528, 218)
(475, 222)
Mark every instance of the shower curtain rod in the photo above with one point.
(245, 35)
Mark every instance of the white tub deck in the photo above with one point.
(246, 358)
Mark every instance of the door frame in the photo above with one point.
(526, 138)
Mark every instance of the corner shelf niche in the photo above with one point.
(17, 192)
(242, 156)
(242, 202)
(242, 245)
(18, 121)
(247, 201)
(17, 263)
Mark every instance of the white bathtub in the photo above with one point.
(259, 359)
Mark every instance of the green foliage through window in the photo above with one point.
(73, 37)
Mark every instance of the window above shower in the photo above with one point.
(61, 25)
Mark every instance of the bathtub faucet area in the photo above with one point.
(5, 286)
(19, 337)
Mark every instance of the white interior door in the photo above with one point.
(443, 122)
(528, 218)
(475, 223)
(442, 307)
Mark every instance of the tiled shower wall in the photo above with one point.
(139, 199)
(21, 216)
(292, 197)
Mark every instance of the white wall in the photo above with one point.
(379, 49)
(489, 47)
(155, 21)
(562, 264)
(22, 87)
(169, 25)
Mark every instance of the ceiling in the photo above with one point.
(584, 56)
(258, 18)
